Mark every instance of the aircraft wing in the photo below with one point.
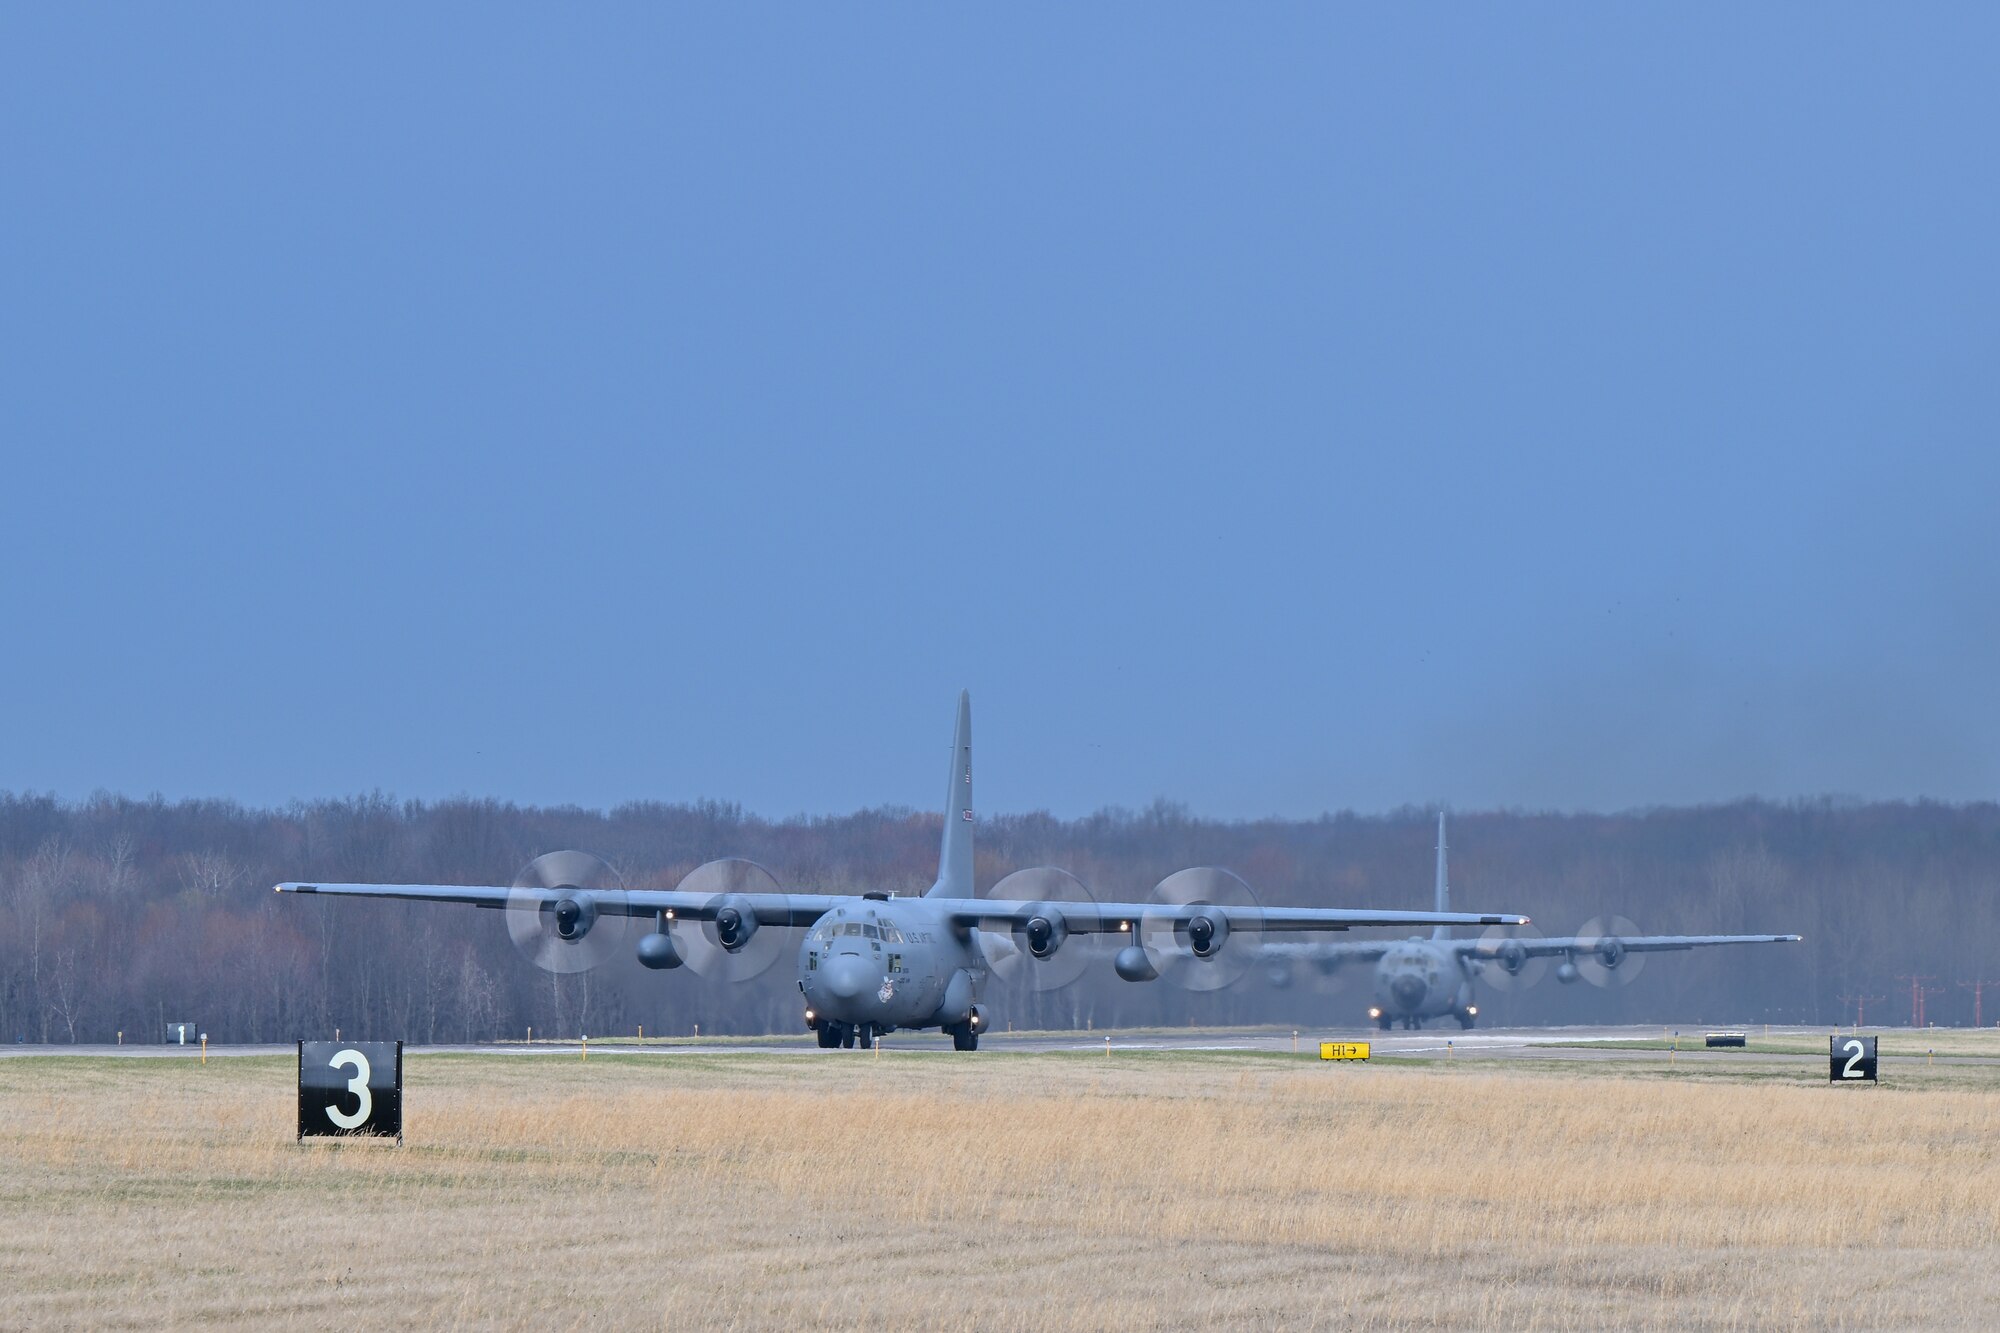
(1367, 951)
(770, 909)
(803, 909)
(1326, 956)
(1552, 948)
(1093, 918)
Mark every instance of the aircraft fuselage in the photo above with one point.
(874, 965)
(1420, 979)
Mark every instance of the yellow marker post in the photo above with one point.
(1107, 1048)
(204, 1048)
(1343, 1050)
(1295, 1041)
(586, 1048)
(642, 1032)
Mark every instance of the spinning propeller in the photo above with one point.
(729, 946)
(1511, 970)
(1601, 958)
(1192, 955)
(1042, 948)
(581, 924)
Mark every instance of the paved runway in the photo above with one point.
(1565, 1043)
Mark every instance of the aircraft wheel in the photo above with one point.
(1465, 1021)
(829, 1036)
(846, 1038)
(866, 1035)
(1386, 1022)
(964, 1038)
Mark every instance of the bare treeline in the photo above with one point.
(122, 915)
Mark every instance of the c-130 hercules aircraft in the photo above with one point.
(872, 963)
(1416, 979)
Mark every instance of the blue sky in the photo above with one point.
(1276, 410)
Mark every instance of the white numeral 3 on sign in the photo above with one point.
(358, 1085)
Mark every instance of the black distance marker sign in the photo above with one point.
(351, 1087)
(1850, 1059)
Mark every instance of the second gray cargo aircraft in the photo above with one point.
(1416, 979)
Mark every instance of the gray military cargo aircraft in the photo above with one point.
(1416, 979)
(872, 963)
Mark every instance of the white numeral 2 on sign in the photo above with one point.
(1853, 1048)
(358, 1085)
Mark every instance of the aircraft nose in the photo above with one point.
(1408, 989)
(847, 975)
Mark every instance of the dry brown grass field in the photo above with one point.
(1003, 1191)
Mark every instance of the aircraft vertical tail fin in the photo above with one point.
(1443, 903)
(955, 854)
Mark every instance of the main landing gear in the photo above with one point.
(845, 1036)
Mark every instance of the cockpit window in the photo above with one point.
(851, 928)
(890, 933)
(871, 932)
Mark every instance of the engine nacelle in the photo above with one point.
(1513, 956)
(657, 951)
(574, 914)
(1045, 930)
(1133, 964)
(735, 922)
(1566, 972)
(1206, 930)
(1610, 951)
